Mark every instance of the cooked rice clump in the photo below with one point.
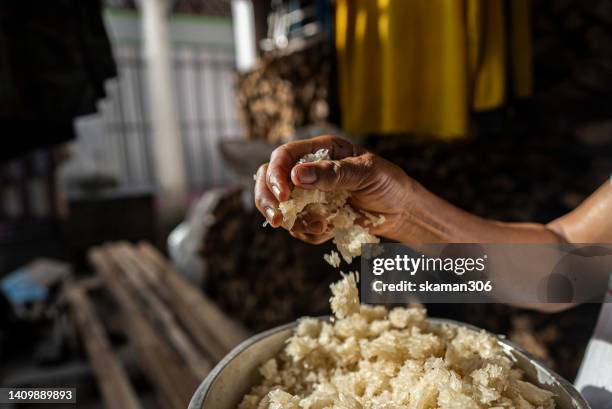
(333, 259)
(348, 236)
(372, 358)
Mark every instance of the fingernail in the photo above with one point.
(276, 191)
(270, 213)
(306, 175)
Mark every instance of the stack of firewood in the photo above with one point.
(285, 92)
(175, 332)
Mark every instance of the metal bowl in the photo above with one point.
(228, 382)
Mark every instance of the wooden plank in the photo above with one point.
(202, 337)
(114, 384)
(91, 283)
(173, 381)
(157, 311)
(193, 307)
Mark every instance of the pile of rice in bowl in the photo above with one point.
(368, 357)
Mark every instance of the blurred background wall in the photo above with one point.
(117, 141)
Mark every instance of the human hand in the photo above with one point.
(376, 185)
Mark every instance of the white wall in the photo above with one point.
(117, 140)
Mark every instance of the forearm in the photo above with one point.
(591, 222)
(430, 219)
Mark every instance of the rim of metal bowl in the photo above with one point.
(203, 389)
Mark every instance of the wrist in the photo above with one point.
(424, 217)
(404, 209)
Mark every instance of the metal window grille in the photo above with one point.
(204, 79)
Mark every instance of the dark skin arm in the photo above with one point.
(412, 213)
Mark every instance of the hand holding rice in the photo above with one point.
(328, 188)
(348, 235)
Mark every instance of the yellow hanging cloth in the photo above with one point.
(421, 66)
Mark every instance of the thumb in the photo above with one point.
(351, 173)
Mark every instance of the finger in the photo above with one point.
(265, 201)
(352, 173)
(311, 224)
(286, 156)
(312, 238)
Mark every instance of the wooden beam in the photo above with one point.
(173, 381)
(91, 283)
(157, 311)
(114, 384)
(202, 337)
(195, 309)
